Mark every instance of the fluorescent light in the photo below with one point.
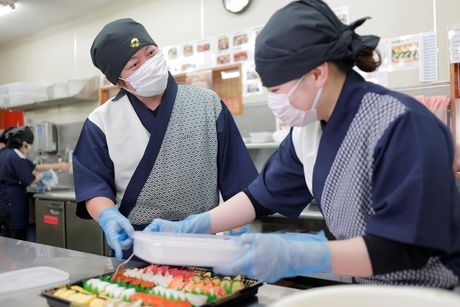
(229, 74)
(5, 9)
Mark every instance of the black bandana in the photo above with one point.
(303, 35)
(3, 138)
(117, 42)
(18, 135)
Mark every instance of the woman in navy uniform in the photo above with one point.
(4, 230)
(377, 162)
(16, 174)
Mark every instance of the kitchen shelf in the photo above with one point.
(262, 145)
(51, 103)
(84, 91)
(107, 92)
(230, 90)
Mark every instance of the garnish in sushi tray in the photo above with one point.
(153, 285)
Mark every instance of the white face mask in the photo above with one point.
(292, 116)
(151, 78)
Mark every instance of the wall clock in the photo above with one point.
(236, 6)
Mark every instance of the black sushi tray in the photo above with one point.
(246, 293)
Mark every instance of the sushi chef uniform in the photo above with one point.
(380, 168)
(169, 163)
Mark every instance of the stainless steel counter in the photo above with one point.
(16, 255)
(310, 212)
(56, 195)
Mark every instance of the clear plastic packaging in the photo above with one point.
(187, 249)
(31, 278)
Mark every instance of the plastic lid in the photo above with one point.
(29, 278)
(187, 249)
(371, 295)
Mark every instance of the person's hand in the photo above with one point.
(64, 166)
(45, 177)
(273, 256)
(118, 230)
(197, 223)
(41, 186)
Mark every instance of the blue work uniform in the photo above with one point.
(16, 173)
(382, 167)
(169, 163)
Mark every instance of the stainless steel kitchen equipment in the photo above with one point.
(82, 235)
(50, 222)
(46, 138)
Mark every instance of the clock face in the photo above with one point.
(236, 6)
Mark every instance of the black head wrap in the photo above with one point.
(17, 135)
(303, 35)
(3, 138)
(117, 42)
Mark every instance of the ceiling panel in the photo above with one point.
(32, 16)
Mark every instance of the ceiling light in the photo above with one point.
(10, 3)
(7, 8)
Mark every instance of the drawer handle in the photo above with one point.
(55, 211)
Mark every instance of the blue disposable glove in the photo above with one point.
(239, 231)
(47, 176)
(274, 256)
(196, 223)
(41, 185)
(118, 230)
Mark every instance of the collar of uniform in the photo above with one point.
(19, 153)
(350, 96)
(122, 92)
(164, 109)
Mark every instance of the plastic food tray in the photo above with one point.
(249, 291)
(30, 278)
(187, 249)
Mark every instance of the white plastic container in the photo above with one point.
(19, 93)
(30, 278)
(4, 89)
(371, 296)
(19, 87)
(4, 101)
(58, 90)
(75, 86)
(260, 137)
(19, 99)
(187, 249)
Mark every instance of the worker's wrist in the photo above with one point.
(311, 255)
(198, 223)
(106, 211)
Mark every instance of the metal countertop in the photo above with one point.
(15, 254)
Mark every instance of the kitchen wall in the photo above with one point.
(61, 53)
